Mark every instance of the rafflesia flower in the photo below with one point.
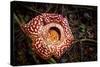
(50, 34)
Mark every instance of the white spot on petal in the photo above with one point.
(35, 22)
(31, 28)
(35, 30)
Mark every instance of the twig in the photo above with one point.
(51, 61)
(56, 9)
(30, 8)
(22, 20)
(35, 10)
(63, 9)
(82, 40)
(49, 8)
(17, 19)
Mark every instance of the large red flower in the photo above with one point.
(50, 34)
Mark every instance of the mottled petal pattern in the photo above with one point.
(50, 34)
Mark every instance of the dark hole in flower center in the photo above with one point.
(54, 34)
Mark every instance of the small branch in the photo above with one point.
(51, 61)
(56, 9)
(63, 9)
(30, 8)
(82, 40)
(17, 19)
(22, 20)
(35, 10)
(48, 9)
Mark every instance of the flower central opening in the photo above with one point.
(53, 35)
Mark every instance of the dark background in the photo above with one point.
(82, 20)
